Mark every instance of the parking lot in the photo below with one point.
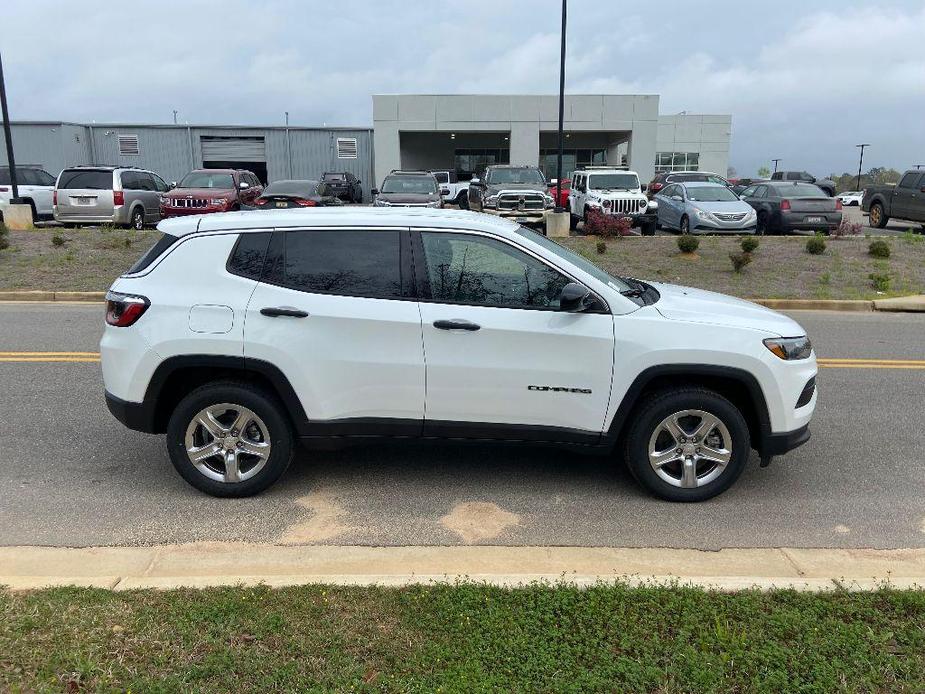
(75, 477)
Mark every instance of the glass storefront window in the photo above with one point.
(677, 161)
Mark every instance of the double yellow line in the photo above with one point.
(45, 357)
(825, 363)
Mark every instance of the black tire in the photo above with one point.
(137, 220)
(462, 201)
(684, 226)
(761, 226)
(661, 405)
(262, 403)
(573, 219)
(878, 217)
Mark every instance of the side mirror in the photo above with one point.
(677, 198)
(743, 197)
(554, 182)
(574, 298)
(643, 187)
(444, 191)
(244, 185)
(374, 191)
(173, 184)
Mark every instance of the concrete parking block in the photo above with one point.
(17, 217)
(914, 304)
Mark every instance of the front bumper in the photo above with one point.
(523, 216)
(167, 211)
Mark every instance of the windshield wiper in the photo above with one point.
(637, 288)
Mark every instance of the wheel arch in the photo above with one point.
(174, 378)
(737, 385)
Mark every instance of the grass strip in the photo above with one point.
(462, 638)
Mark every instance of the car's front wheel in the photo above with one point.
(228, 439)
(687, 445)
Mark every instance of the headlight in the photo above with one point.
(549, 200)
(382, 203)
(703, 214)
(607, 203)
(434, 204)
(491, 201)
(790, 348)
(218, 202)
(751, 213)
(652, 205)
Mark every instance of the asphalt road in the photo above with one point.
(71, 475)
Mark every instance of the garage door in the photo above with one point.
(233, 148)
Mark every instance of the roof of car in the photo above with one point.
(327, 217)
(699, 184)
(218, 170)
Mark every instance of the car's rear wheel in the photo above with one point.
(761, 226)
(878, 218)
(137, 220)
(687, 445)
(229, 440)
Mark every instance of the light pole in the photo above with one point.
(558, 207)
(175, 116)
(776, 162)
(288, 145)
(860, 164)
(9, 138)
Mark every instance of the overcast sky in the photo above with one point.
(802, 84)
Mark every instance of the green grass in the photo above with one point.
(462, 638)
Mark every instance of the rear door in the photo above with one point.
(336, 313)
(85, 193)
(39, 186)
(908, 200)
(502, 360)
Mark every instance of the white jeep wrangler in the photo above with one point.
(612, 191)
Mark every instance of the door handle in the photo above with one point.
(456, 325)
(283, 311)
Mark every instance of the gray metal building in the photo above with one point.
(273, 153)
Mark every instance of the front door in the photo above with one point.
(335, 313)
(502, 360)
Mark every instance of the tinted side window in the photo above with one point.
(442, 177)
(349, 263)
(159, 184)
(476, 270)
(761, 192)
(153, 253)
(908, 181)
(44, 178)
(130, 181)
(247, 257)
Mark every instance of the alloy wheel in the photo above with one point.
(227, 443)
(690, 448)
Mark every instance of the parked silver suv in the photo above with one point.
(108, 195)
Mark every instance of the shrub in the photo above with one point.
(4, 241)
(688, 243)
(601, 247)
(605, 226)
(749, 244)
(816, 245)
(740, 260)
(58, 240)
(880, 281)
(847, 228)
(879, 249)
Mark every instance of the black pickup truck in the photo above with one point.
(905, 201)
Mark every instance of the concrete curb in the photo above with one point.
(203, 565)
(913, 304)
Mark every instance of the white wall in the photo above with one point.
(708, 135)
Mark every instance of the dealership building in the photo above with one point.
(410, 131)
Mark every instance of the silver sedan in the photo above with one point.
(699, 207)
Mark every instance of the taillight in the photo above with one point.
(305, 203)
(656, 186)
(54, 198)
(838, 204)
(785, 204)
(123, 310)
(118, 197)
(260, 202)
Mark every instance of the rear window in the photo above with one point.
(152, 254)
(800, 190)
(85, 179)
(334, 177)
(305, 188)
(349, 263)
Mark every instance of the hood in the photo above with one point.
(709, 308)
(494, 188)
(726, 207)
(400, 198)
(201, 193)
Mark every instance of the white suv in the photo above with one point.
(612, 191)
(238, 334)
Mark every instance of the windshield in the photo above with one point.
(620, 181)
(422, 185)
(710, 194)
(305, 188)
(524, 175)
(206, 179)
(800, 190)
(577, 260)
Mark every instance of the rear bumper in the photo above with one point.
(65, 218)
(797, 220)
(134, 415)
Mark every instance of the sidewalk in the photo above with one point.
(213, 564)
